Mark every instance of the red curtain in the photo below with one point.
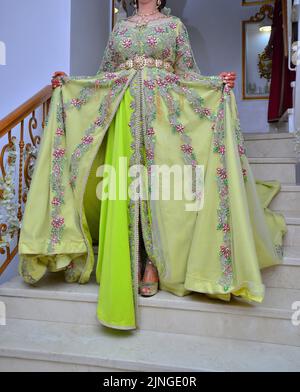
(281, 94)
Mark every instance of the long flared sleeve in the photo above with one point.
(185, 65)
(110, 60)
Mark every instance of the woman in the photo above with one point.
(148, 105)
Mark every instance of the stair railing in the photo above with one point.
(20, 135)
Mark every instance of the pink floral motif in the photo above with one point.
(98, 122)
(166, 53)
(152, 41)
(241, 150)
(222, 150)
(173, 26)
(110, 75)
(190, 62)
(170, 79)
(77, 103)
(187, 149)
(180, 40)
(222, 173)
(221, 114)
(59, 153)
(149, 84)
(56, 201)
(226, 252)
(121, 81)
(60, 132)
(58, 222)
(206, 112)
(161, 82)
(228, 270)
(127, 43)
(180, 128)
(88, 139)
(226, 228)
(150, 155)
(150, 132)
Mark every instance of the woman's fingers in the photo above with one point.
(56, 79)
(58, 73)
(229, 78)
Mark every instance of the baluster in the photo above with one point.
(21, 158)
(17, 119)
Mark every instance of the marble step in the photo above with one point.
(287, 274)
(280, 169)
(288, 199)
(54, 300)
(47, 346)
(292, 238)
(268, 145)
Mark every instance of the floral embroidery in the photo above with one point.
(58, 164)
(180, 40)
(149, 84)
(88, 139)
(164, 90)
(152, 41)
(127, 43)
(166, 53)
(224, 207)
(173, 26)
(187, 149)
(78, 102)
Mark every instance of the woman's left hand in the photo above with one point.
(229, 78)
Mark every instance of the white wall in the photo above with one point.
(89, 32)
(216, 34)
(41, 37)
(37, 38)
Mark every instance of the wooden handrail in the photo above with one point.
(15, 117)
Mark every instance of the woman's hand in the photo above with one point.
(229, 78)
(56, 79)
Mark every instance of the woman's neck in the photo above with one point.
(147, 9)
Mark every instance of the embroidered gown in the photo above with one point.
(147, 115)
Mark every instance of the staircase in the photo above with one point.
(53, 327)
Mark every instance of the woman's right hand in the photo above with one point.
(56, 79)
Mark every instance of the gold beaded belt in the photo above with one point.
(140, 62)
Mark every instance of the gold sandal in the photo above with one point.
(152, 287)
